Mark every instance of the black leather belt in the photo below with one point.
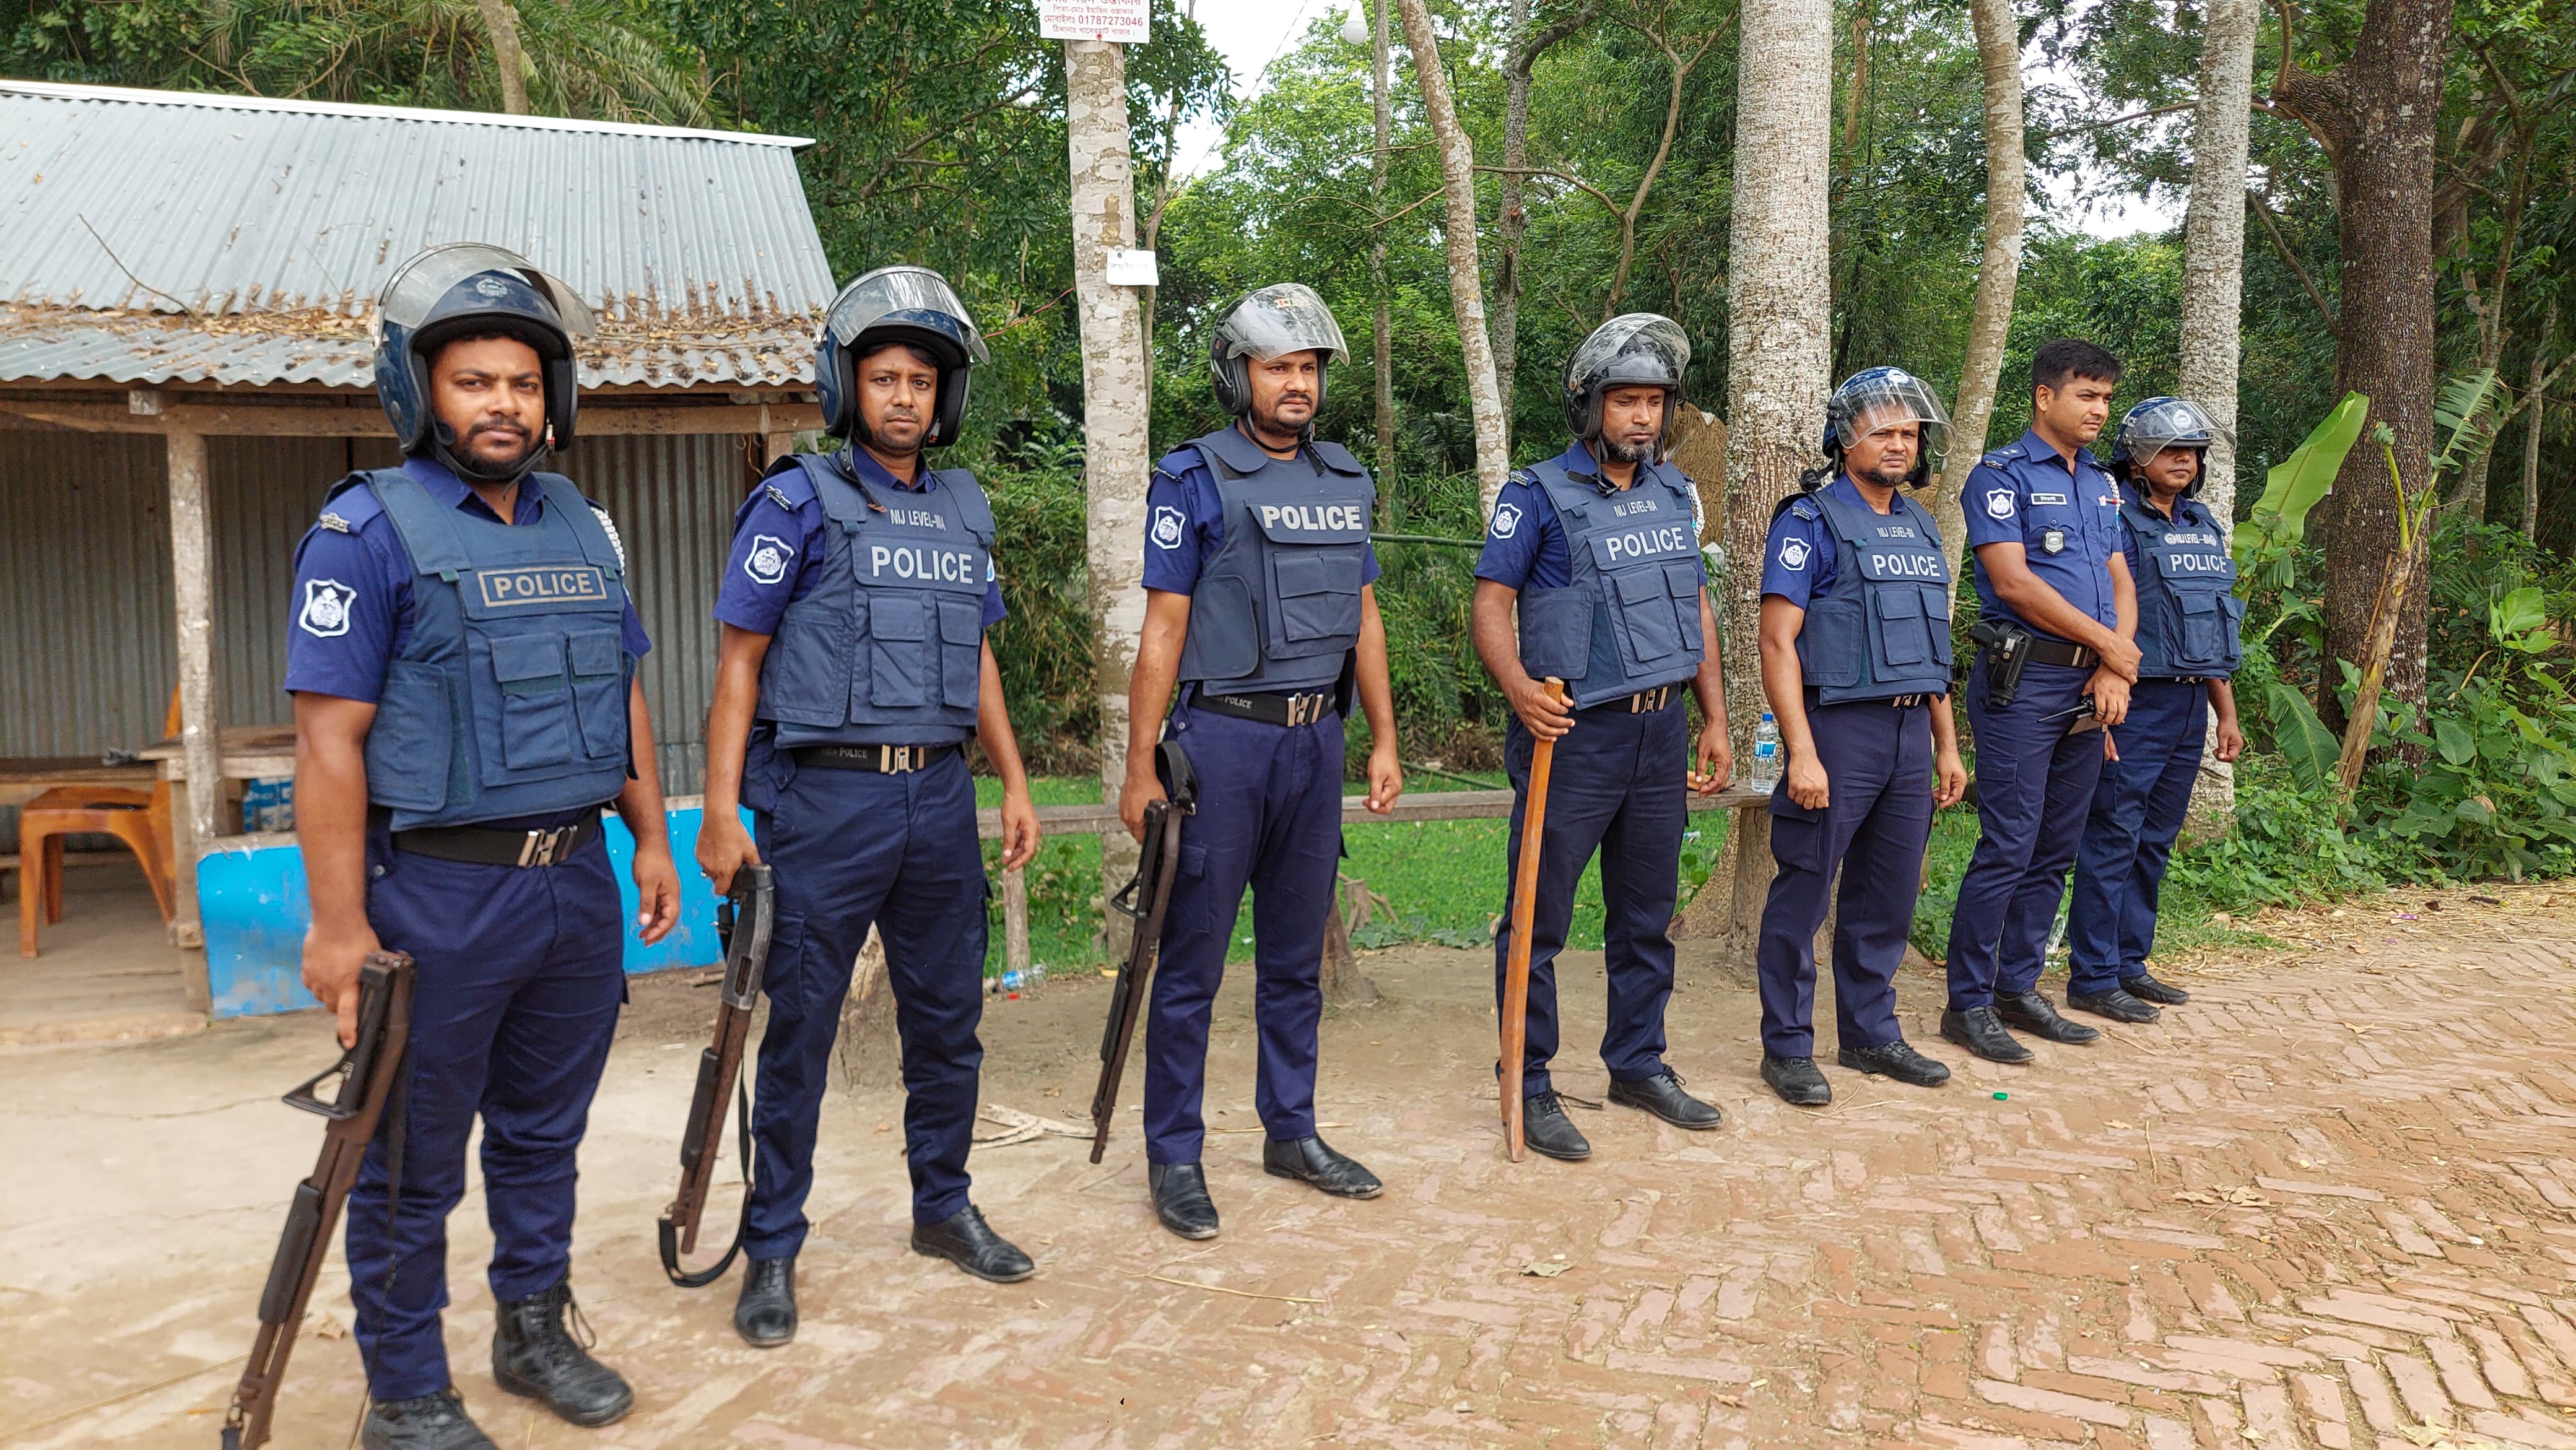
(1298, 707)
(1815, 700)
(883, 759)
(1644, 702)
(2059, 652)
(484, 846)
(2179, 680)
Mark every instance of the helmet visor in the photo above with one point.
(1637, 348)
(412, 295)
(2161, 423)
(1279, 320)
(1886, 398)
(905, 297)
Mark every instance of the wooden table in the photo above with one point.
(24, 778)
(249, 752)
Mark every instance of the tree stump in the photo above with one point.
(1344, 986)
(869, 1051)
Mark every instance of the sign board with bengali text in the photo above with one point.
(1119, 20)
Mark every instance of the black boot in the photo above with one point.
(2146, 988)
(1662, 1096)
(1980, 1031)
(2116, 1004)
(1312, 1160)
(964, 1239)
(535, 1354)
(432, 1422)
(765, 1315)
(1546, 1129)
(2033, 1013)
(1797, 1081)
(1181, 1199)
(1896, 1059)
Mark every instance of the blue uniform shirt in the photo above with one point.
(778, 539)
(2026, 495)
(353, 588)
(1525, 546)
(1185, 521)
(1800, 557)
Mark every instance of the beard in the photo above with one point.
(1889, 475)
(1269, 421)
(1623, 452)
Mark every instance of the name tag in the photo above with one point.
(2056, 498)
(931, 566)
(530, 588)
(917, 518)
(1641, 506)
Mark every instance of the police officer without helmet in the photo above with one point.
(851, 670)
(2188, 616)
(1597, 550)
(1259, 605)
(463, 665)
(2057, 609)
(1856, 664)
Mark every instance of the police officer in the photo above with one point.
(2054, 594)
(2188, 615)
(1598, 549)
(463, 664)
(851, 670)
(1259, 604)
(1856, 665)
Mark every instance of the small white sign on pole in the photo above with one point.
(1124, 21)
(1133, 267)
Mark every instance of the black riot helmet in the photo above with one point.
(2158, 424)
(1632, 350)
(1273, 322)
(1882, 397)
(471, 289)
(913, 306)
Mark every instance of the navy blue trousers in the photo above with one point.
(513, 1008)
(2138, 810)
(2034, 790)
(1618, 787)
(1875, 824)
(1269, 817)
(853, 848)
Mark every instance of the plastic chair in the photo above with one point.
(140, 819)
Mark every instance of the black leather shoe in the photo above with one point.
(1662, 1096)
(1313, 1160)
(765, 1315)
(1896, 1059)
(2033, 1013)
(432, 1422)
(1982, 1032)
(1797, 1081)
(964, 1239)
(2147, 989)
(1181, 1199)
(534, 1353)
(2116, 1004)
(1545, 1129)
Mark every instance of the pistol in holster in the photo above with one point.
(2007, 651)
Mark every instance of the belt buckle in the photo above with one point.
(539, 848)
(1301, 708)
(892, 759)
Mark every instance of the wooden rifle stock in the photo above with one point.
(1144, 900)
(743, 924)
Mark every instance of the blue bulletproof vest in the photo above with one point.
(1278, 605)
(1630, 619)
(2188, 612)
(510, 697)
(887, 648)
(1883, 628)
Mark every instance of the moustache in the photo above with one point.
(496, 425)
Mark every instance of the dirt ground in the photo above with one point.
(2331, 1203)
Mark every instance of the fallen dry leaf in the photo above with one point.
(1542, 1269)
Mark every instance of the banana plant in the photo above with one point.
(2266, 544)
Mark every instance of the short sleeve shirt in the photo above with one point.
(1801, 556)
(353, 586)
(1525, 545)
(2066, 520)
(1185, 522)
(779, 536)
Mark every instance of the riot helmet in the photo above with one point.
(1272, 322)
(2161, 423)
(470, 289)
(1872, 399)
(907, 305)
(1632, 350)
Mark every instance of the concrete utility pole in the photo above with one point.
(1114, 388)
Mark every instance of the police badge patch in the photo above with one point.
(1999, 503)
(1793, 554)
(2054, 541)
(767, 561)
(1507, 521)
(1168, 527)
(327, 606)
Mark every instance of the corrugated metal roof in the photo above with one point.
(156, 236)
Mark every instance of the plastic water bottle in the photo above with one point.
(1766, 754)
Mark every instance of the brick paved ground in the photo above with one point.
(2332, 1203)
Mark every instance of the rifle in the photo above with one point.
(1143, 900)
(743, 921)
(365, 1077)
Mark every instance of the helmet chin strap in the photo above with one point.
(442, 441)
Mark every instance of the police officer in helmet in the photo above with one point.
(851, 670)
(1856, 664)
(1597, 551)
(463, 664)
(2188, 615)
(1259, 605)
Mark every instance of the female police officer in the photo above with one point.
(2187, 640)
(1856, 664)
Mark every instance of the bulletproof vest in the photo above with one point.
(887, 647)
(2188, 612)
(1883, 628)
(1278, 605)
(1630, 619)
(510, 697)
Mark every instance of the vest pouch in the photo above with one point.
(1682, 581)
(530, 733)
(961, 650)
(599, 691)
(1901, 629)
(1316, 590)
(805, 676)
(903, 667)
(2205, 628)
(1936, 613)
(1556, 632)
(409, 745)
(1833, 644)
(1643, 617)
(1223, 642)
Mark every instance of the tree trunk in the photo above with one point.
(1513, 220)
(1115, 459)
(2539, 407)
(1382, 354)
(1466, 277)
(1780, 305)
(509, 64)
(869, 1049)
(1998, 269)
(2213, 293)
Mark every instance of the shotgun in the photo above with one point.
(743, 922)
(1143, 900)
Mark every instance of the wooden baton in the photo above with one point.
(1515, 1012)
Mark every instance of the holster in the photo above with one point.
(2007, 651)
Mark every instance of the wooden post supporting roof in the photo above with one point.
(192, 570)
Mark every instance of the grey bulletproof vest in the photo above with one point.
(2188, 612)
(1630, 620)
(1278, 605)
(1883, 629)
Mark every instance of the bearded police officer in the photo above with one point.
(463, 664)
(2188, 645)
(1598, 551)
(1856, 665)
(1259, 604)
(851, 671)
(2057, 612)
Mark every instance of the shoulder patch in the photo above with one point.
(333, 522)
(779, 497)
